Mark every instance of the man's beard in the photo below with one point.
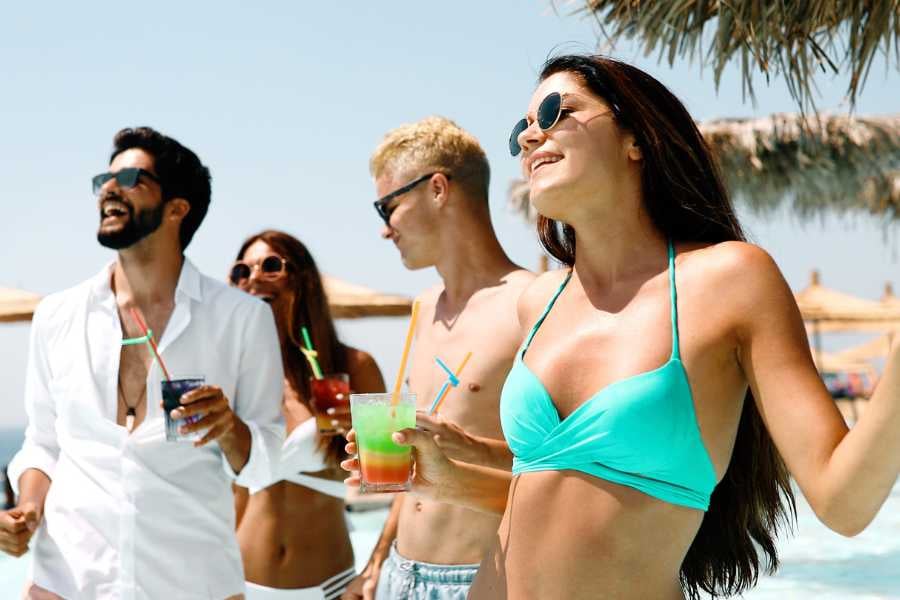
(137, 227)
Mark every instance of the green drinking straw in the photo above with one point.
(140, 321)
(144, 339)
(310, 354)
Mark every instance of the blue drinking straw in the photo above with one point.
(452, 379)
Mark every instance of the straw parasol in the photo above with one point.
(347, 301)
(827, 362)
(888, 299)
(351, 301)
(16, 305)
(791, 39)
(827, 311)
(819, 303)
(821, 163)
(517, 200)
(873, 349)
(818, 164)
(879, 346)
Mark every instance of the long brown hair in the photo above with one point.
(686, 200)
(310, 310)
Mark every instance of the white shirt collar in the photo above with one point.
(189, 283)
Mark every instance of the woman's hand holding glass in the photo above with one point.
(460, 445)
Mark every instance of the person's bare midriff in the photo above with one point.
(566, 534)
(443, 533)
(293, 537)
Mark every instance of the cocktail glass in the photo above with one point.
(384, 465)
(172, 390)
(330, 401)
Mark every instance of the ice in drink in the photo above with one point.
(330, 399)
(384, 465)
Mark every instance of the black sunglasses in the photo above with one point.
(381, 205)
(548, 113)
(271, 267)
(126, 178)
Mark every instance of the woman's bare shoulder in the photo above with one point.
(739, 275)
(740, 264)
(537, 294)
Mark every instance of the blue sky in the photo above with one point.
(285, 101)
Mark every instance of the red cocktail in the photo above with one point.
(330, 401)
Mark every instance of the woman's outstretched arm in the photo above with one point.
(845, 475)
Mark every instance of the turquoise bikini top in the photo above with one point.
(641, 431)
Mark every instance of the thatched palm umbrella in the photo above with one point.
(820, 303)
(888, 298)
(347, 301)
(877, 347)
(873, 349)
(17, 305)
(839, 363)
(351, 301)
(825, 163)
(820, 164)
(787, 38)
(827, 310)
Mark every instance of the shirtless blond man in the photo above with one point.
(432, 180)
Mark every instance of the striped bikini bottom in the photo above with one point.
(330, 589)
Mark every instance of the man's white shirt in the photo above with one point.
(134, 517)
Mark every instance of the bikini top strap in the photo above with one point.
(673, 300)
(546, 312)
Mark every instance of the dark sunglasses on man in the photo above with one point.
(549, 113)
(126, 178)
(382, 205)
(271, 267)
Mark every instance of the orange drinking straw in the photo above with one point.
(137, 317)
(395, 395)
(443, 394)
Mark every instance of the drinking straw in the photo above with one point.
(137, 317)
(452, 379)
(395, 395)
(310, 354)
(144, 339)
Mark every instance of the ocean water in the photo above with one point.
(817, 564)
(10, 442)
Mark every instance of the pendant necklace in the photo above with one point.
(130, 411)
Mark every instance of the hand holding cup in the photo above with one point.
(212, 411)
(432, 468)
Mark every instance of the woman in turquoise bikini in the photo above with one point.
(665, 387)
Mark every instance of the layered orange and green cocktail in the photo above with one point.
(385, 466)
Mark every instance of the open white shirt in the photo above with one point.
(134, 517)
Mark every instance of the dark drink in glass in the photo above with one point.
(330, 401)
(172, 391)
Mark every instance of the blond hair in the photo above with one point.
(434, 143)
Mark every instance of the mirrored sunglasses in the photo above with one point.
(271, 267)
